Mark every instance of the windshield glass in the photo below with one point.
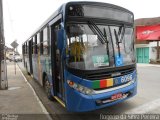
(88, 50)
(125, 54)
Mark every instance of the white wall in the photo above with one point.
(153, 44)
(141, 45)
(152, 53)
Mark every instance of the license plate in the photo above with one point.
(116, 96)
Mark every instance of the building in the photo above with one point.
(147, 40)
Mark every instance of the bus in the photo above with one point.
(84, 55)
(3, 66)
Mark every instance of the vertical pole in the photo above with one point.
(158, 50)
(0, 53)
(1, 38)
(14, 61)
(3, 69)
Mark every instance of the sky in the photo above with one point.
(23, 17)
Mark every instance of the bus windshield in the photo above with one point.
(88, 49)
(123, 45)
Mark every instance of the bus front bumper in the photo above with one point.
(78, 102)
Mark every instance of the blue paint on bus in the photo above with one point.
(76, 50)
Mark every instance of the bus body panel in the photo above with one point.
(43, 66)
(90, 83)
(35, 66)
(79, 102)
(27, 64)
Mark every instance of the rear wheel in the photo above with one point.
(47, 88)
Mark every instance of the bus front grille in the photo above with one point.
(106, 75)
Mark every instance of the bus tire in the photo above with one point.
(47, 88)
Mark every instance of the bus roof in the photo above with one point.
(99, 4)
(63, 7)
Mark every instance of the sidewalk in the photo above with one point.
(20, 98)
(147, 65)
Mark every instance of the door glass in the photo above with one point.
(58, 66)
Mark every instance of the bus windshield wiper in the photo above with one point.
(102, 37)
(98, 31)
(94, 31)
(121, 32)
(119, 37)
(105, 35)
(117, 41)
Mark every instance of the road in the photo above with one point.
(147, 100)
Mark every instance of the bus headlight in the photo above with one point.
(80, 88)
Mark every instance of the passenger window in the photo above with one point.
(45, 34)
(41, 42)
(35, 47)
(45, 47)
(25, 48)
(44, 50)
(38, 38)
(38, 42)
(45, 42)
(33, 43)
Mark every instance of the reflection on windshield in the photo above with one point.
(87, 52)
(125, 45)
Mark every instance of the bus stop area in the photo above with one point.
(87, 61)
(21, 100)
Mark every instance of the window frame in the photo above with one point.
(26, 51)
(41, 42)
(35, 45)
(32, 42)
(44, 38)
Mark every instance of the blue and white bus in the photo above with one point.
(84, 55)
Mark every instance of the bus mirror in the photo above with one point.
(60, 39)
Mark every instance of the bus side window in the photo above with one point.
(41, 42)
(38, 43)
(23, 49)
(27, 48)
(45, 47)
(35, 46)
(45, 41)
(33, 43)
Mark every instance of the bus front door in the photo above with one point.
(57, 66)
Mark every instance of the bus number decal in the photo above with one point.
(126, 78)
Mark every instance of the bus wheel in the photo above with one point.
(47, 88)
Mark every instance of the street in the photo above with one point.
(147, 101)
(62, 56)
